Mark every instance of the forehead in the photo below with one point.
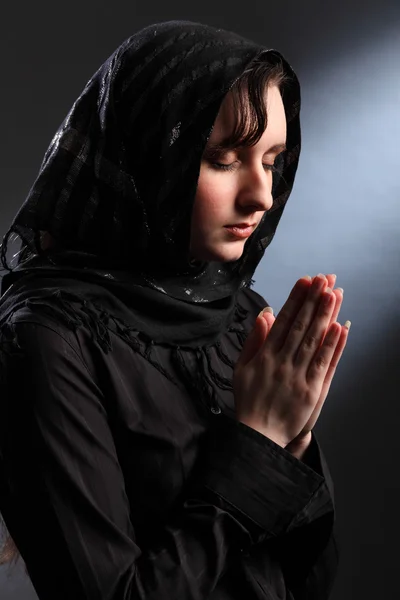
(227, 116)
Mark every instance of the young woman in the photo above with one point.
(156, 433)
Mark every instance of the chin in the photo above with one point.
(221, 253)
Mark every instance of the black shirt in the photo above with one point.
(117, 485)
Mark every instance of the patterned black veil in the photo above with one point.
(117, 186)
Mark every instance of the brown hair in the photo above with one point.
(249, 97)
(249, 94)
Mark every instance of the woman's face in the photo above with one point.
(241, 194)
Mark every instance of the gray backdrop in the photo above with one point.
(343, 215)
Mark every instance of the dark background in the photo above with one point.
(343, 215)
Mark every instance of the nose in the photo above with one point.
(256, 191)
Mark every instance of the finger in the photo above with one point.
(269, 317)
(344, 334)
(287, 314)
(322, 361)
(331, 278)
(329, 377)
(338, 303)
(339, 299)
(253, 342)
(315, 334)
(339, 296)
(302, 321)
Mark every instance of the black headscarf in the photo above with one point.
(117, 186)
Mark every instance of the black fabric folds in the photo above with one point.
(119, 482)
(117, 183)
(76, 299)
(116, 190)
(115, 485)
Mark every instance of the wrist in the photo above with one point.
(299, 446)
(267, 433)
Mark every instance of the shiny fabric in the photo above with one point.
(116, 484)
(117, 184)
(123, 471)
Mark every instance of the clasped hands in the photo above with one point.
(300, 443)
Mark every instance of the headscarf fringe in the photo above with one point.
(241, 336)
(192, 381)
(196, 382)
(222, 382)
(206, 384)
(147, 354)
(224, 357)
(98, 321)
(62, 306)
(240, 312)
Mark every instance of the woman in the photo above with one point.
(133, 464)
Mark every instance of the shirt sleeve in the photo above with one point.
(309, 555)
(64, 501)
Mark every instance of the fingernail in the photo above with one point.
(340, 290)
(321, 276)
(307, 277)
(266, 309)
(348, 324)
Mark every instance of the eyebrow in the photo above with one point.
(277, 148)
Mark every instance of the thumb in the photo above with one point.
(268, 315)
(256, 337)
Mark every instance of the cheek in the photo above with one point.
(211, 199)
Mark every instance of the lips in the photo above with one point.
(242, 225)
(240, 232)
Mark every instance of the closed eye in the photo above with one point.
(231, 166)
